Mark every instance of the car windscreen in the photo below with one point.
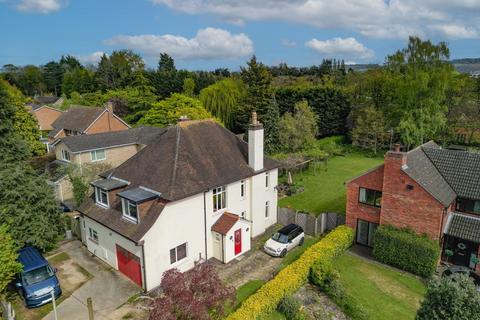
(280, 237)
(37, 275)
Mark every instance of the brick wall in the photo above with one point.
(106, 122)
(405, 207)
(355, 210)
(46, 116)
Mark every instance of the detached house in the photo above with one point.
(195, 192)
(79, 120)
(430, 190)
(108, 149)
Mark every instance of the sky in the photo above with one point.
(209, 34)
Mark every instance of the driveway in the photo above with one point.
(108, 288)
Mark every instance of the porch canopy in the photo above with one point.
(463, 226)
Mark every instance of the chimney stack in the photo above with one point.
(396, 147)
(109, 106)
(255, 143)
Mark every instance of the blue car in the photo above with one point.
(37, 279)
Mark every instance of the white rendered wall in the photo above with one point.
(255, 148)
(229, 240)
(259, 195)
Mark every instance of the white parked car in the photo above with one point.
(284, 240)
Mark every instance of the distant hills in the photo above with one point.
(466, 65)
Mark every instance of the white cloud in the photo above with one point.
(39, 6)
(372, 18)
(209, 43)
(92, 58)
(341, 47)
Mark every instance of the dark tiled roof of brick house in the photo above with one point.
(423, 171)
(463, 226)
(140, 135)
(77, 118)
(460, 168)
(226, 221)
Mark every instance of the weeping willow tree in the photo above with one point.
(221, 99)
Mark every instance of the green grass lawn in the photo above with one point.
(384, 293)
(325, 190)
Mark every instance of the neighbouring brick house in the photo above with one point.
(430, 190)
(79, 120)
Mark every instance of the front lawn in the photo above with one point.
(325, 190)
(385, 293)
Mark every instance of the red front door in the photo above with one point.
(238, 241)
(129, 265)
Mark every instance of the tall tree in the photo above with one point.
(53, 75)
(421, 75)
(28, 206)
(78, 80)
(69, 63)
(9, 266)
(118, 70)
(222, 100)
(259, 97)
(12, 146)
(298, 130)
(167, 79)
(370, 131)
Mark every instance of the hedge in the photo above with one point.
(404, 249)
(291, 278)
(331, 105)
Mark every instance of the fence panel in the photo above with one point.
(286, 216)
(312, 225)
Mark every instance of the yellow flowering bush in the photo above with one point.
(290, 279)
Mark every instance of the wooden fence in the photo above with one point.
(311, 224)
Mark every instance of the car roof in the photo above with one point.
(31, 259)
(289, 228)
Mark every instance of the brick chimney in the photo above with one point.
(395, 159)
(255, 143)
(109, 106)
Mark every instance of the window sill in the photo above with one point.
(93, 240)
(369, 205)
(181, 262)
(132, 220)
(101, 205)
(98, 160)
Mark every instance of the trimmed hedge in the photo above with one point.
(291, 278)
(404, 249)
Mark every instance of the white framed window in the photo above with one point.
(98, 155)
(130, 210)
(178, 253)
(242, 189)
(267, 209)
(267, 179)
(65, 155)
(93, 234)
(101, 197)
(219, 198)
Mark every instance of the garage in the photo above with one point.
(129, 265)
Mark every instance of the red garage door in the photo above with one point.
(129, 265)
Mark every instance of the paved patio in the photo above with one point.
(108, 288)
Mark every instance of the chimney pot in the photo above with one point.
(183, 118)
(396, 147)
(109, 106)
(254, 118)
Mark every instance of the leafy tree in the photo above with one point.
(167, 79)
(453, 297)
(222, 100)
(53, 76)
(370, 131)
(69, 63)
(12, 147)
(259, 97)
(198, 294)
(421, 74)
(119, 69)
(28, 206)
(169, 111)
(298, 130)
(9, 266)
(78, 80)
(189, 87)
(27, 127)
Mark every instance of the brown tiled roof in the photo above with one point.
(190, 158)
(76, 118)
(225, 223)
(112, 218)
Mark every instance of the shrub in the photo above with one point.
(291, 278)
(404, 249)
(453, 297)
(289, 306)
(327, 279)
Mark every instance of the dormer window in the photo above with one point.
(65, 155)
(130, 210)
(101, 197)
